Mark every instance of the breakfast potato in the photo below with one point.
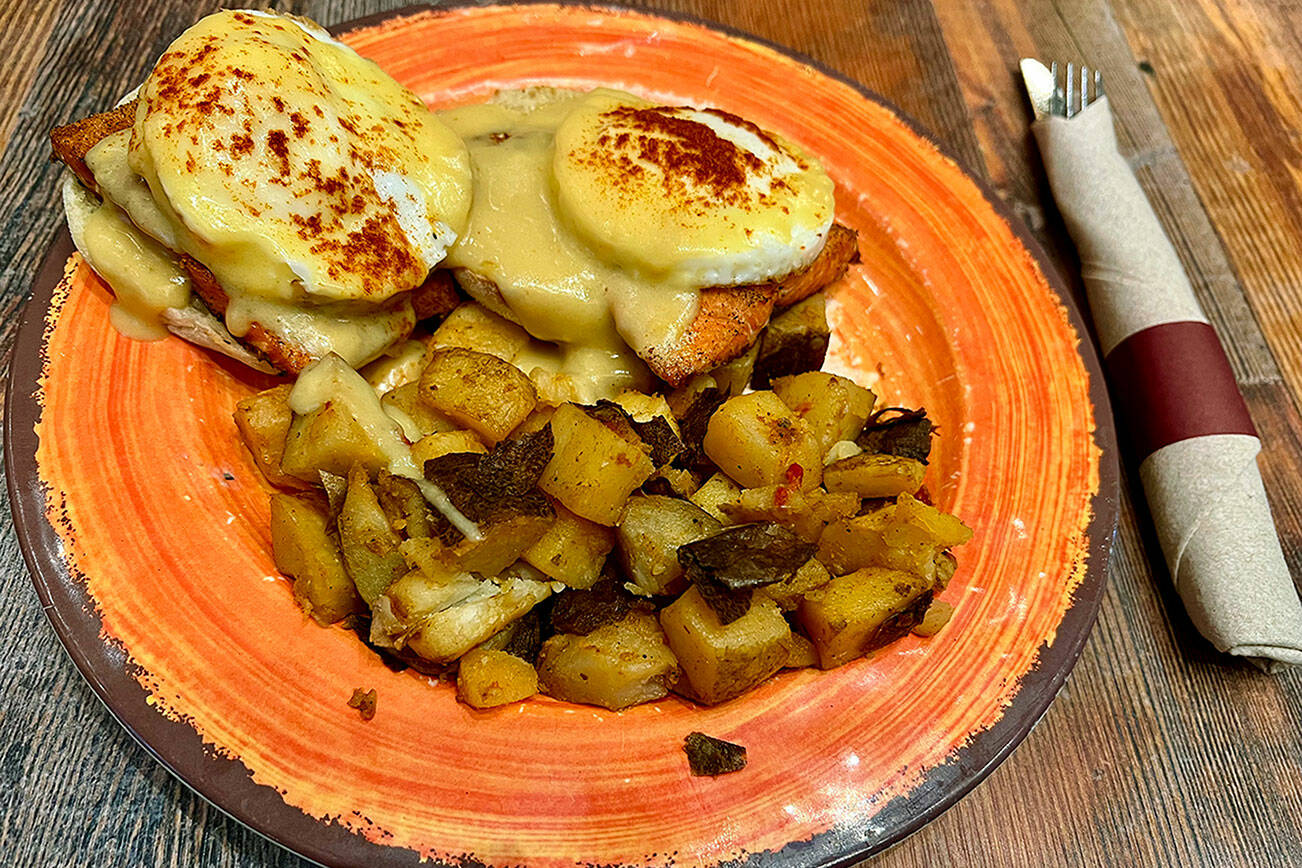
(650, 532)
(369, 543)
(805, 512)
(757, 440)
(400, 364)
(861, 611)
(720, 662)
(593, 470)
(264, 420)
(406, 508)
(801, 653)
(488, 678)
(304, 549)
(795, 341)
(445, 443)
(474, 327)
(869, 475)
(733, 378)
(615, 666)
(477, 391)
(416, 418)
(934, 619)
(906, 535)
(833, 408)
(572, 551)
(643, 408)
(714, 491)
(789, 592)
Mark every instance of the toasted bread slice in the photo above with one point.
(70, 142)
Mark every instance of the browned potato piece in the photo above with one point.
(834, 408)
(573, 549)
(264, 420)
(593, 470)
(858, 612)
(801, 653)
(615, 666)
(805, 512)
(906, 535)
(477, 391)
(794, 341)
(937, 616)
(445, 443)
(643, 407)
(487, 678)
(416, 418)
(714, 491)
(756, 439)
(399, 365)
(650, 532)
(474, 327)
(369, 543)
(303, 549)
(788, 594)
(720, 662)
(733, 377)
(869, 475)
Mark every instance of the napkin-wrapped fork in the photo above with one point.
(1174, 392)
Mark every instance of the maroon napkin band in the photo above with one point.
(1172, 382)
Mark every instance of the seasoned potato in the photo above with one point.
(474, 327)
(535, 421)
(832, 407)
(650, 532)
(801, 653)
(369, 542)
(303, 549)
(264, 420)
(794, 341)
(805, 512)
(733, 378)
(477, 391)
(593, 470)
(714, 491)
(573, 549)
(399, 365)
(720, 662)
(644, 407)
(404, 505)
(614, 666)
(906, 535)
(788, 594)
(487, 678)
(338, 422)
(936, 617)
(855, 613)
(757, 440)
(870, 475)
(416, 418)
(445, 443)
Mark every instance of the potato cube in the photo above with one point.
(445, 443)
(573, 550)
(474, 327)
(416, 418)
(264, 420)
(805, 512)
(869, 475)
(714, 491)
(615, 666)
(477, 391)
(936, 617)
(304, 549)
(757, 440)
(834, 408)
(400, 364)
(801, 653)
(718, 661)
(593, 470)
(861, 611)
(906, 535)
(643, 407)
(789, 592)
(487, 678)
(369, 542)
(650, 532)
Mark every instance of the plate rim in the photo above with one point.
(221, 780)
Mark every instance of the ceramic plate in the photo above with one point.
(145, 525)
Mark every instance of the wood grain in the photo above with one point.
(1158, 751)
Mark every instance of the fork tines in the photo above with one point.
(1072, 92)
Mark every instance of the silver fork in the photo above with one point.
(1073, 94)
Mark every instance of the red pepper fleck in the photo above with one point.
(781, 496)
(924, 495)
(795, 474)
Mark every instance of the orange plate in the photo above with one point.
(145, 525)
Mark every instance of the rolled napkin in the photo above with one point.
(1177, 399)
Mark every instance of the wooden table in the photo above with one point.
(1159, 751)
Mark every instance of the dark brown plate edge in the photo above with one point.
(227, 784)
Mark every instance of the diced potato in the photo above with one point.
(644, 407)
(714, 491)
(338, 422)
(801, 653)
(399, 365)
(369, 543)
(805, 512)
(733, 378)
(474, 327)
(756, 439)
(946, 566)
(937, 616)
(416, 418)
(477, 391)
(906, 535)
(869, 475)
(861, 611)
(535, 421)
(404, 505)
(650, 532)
(833, 407)
(615, 666)
(573, 550)
(794, 341)
(264, 420)
(304, 549)
(839, 450)
(788, 593)
(593, 470)
(486, 678)
(718, 661)
(445, 443)
(506, 537)
(439, 618)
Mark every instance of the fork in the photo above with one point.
(1073, 95)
